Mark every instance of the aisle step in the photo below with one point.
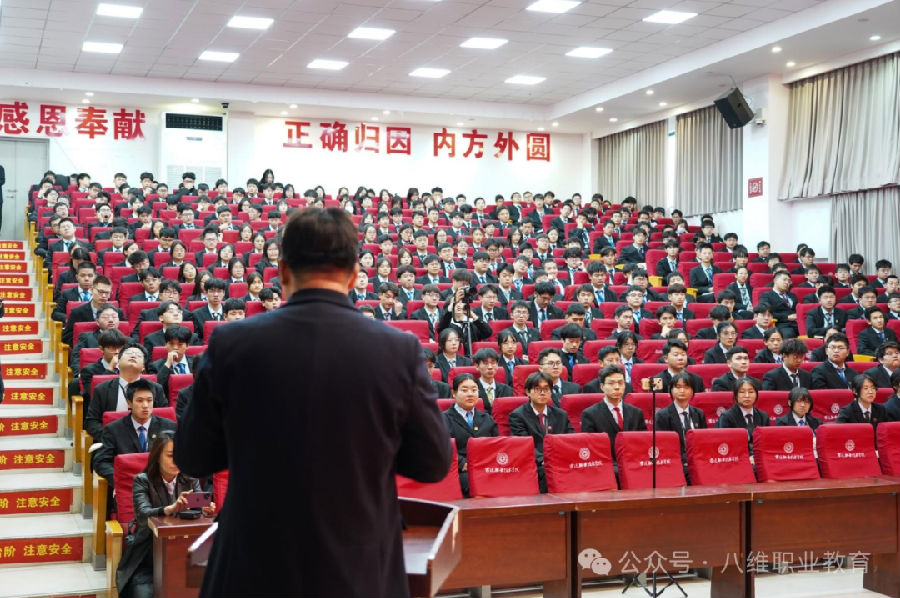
(39, 493)
(54, 538)
(24, 348)
(26, 294)
(25, 453)
(14, 327)
(53, 579)
(16, 368)
(20, 393)
(31, 421)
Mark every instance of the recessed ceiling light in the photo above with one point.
(429, 73)
(250, 22)
(89, 94)
(284, 113)
(328, 65)
(385, 112)
(555, 123)
(598, 109)
(214, 56)
(613, 120)
(663, 104)
(195, 100)
(790, 63)
(371, 33)
(375, 118)
(540, 128)
(649, 92)
(483, 43)
(85, 101)
(554, 6)
(292, 106)
(776, 49)
(101, 47)
(669, 17)
(118, 10)
(588, 52)
(525, 80)
(459, 124)
(874, 38)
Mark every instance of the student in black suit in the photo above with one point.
(490, 308)
(612, 415)
(100, 292)
(636, 253)
(801, 404)
(668, 264)
(888, 357)
(465, 421)
(542, 308)
(727, 335)
(834, 373)
(170, 314)
(606, 356)
(868, 340)
(893, 404)
(130, 434)
(868, 297)
(84, 275)
(789, 375)
(214, 308)
(431, 311)
(826, 316)
(551, 362)
(572, 337)
(675, 354)
(175, 362)
(701, 276)
(738, 360)
(355, 488)
(742, 290)
(489, 388)
(743, 414)
(783, 304)
(718, 314)
(441, 389)
(506, 292)
(763, 319)
(607, 239)
(863, 409)
(507, 341)
(680, 416)
(360, 291)
(448, 357)
(389, 307)
(110, 342)
(538, 417)
(521, 312)
(110, 395)
(107, 319)
(772, 351)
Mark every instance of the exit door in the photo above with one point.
(24, 162)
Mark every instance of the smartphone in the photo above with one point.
(198, 500)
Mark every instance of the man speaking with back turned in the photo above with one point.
(312, 408)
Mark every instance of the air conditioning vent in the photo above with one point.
(193, 121)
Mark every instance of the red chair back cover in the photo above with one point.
(418, 328)
(502, 466)
(827, 402)
(784, 453)
(633, 456)
(447, 489)
(578, 463)
(773, 402)
(500, 410)
(125, 467)
(847, 451)
(575, 404)
(889, 447)
(713, 405)
(220, 488)
(718, 456)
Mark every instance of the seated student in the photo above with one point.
(783, 304)
(441, 389)
(772, 351)
(857, 283)
(600, 283)
(520, 313)
(701, 276)
(868, 297)
(541, 308)
(888, 357)
(606, 356)
(718, 315)
(448, 356)
(506, 343)
(669, 264)
(572, 336)
(584, 294)
(431, 311)
(255, 285)
(210, 238)
(674, 353)
(160, 490)
(868, 340)
(465, 421)
(389, 308)
(608, 238)
(742, 291)
(834, 373)
(636, 253)
(130, 434)
(826, 315)
(612, 414)
(458, 316)
(626, 343)
(892, 406)
(575, 314)
(487, 362)
(87, 312)
(624, 317)
(212, 311)
(863, 409)
(727, 335)
(666, 316)
(489, 309)
(679, 334)
(637, 277)
(107, 319)
(677, 295)
(891, 286)
(175, 362)
(85, 273)
(801, 404)
(738, 360)
(551, 364)
(270, 297)
(813, 277)
(882, 273)
(680, 416)
(406, 275)
(539, 417)
(763, 319)
(235, 309)
(170, 314)
(110, 342)
(507, 293)
(743, 414)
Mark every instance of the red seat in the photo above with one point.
(176, 383)
(591, 348)
(644, 402)
(650, 350)
(640, 371)
(548, 326)
(501, 409)
(847, 451)
(500, 376)
(125, 467)
(603, 327)
(521, 372)
(535, 348)
(583, 373)
(718, 456)
(784, 453)
(650, 326)
(698, 347)
(575, 404)
(498, 325)
(852, 330)
(827, 402)
(633, 456)
(447, 489)
(502, 466)
(220, 488)
(208, 328)
(889, 447)
(418, 328)
(713, 405)
(708, 371)
(773, 402)
(134, 309)
(578, 463)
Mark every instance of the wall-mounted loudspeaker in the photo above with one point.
(734, 108)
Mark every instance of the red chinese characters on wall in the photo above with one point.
(52, 121)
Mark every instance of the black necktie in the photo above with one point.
(867, 417)
(685, 421)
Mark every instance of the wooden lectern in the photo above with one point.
(431, 547)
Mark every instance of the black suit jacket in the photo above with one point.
(867, 341)
(815, 321)
(851, 413)
(483, 425)
(523, 422)
(715, 354)
(201, 315)
(706, 333)
(881, 376)
(162, 372)
(726, 381)
(788, 420)
(421, 314)
(778, 379)
(752, 332)
(739, 303)
(151, 315)
(106, 398)
(593, 387)
(500, 390)
(514, 295)
(608, 295)
(87, 375)
(532, 335)
(86, 340)
(498, 313)
(598, 418)
(443, 365)
(734, 418)
(764, 355)
(779, 309)
(893, 408)
(389, 425)
(158, 339)
(825, 375)
(553, 313)
(82, 313)
(59, 312)
(119, 438)
(699, 281)
(663, 269)
(354, 296)
(601, 242)
(506, 366)
(632, 255)
(667, 420)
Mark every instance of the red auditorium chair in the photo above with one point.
(575, 404)
(650, 326)
(501, 466)
(644, 402)
(535, 348)
(208, 328)
(854, 327)
(640, 371)
(125, 467)
(713, 405)
(603, 327)
(501, 409)
(783, 453)
(650, 350)
(591, 348)
(718, 456)
(548, 326)
(773, 402)
(447, 489)
(633, 453)
(578, 463)
(498, 325)
(888, 447)
(847, 451)
(419, 328)
(708, 371)
(827, 402)
(176, 383)
(220, 488)
(583, 373)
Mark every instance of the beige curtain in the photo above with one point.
(866, 222)
(844, 130)
(708, 163)
(633, 163)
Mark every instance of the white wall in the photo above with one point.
(256, 143)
